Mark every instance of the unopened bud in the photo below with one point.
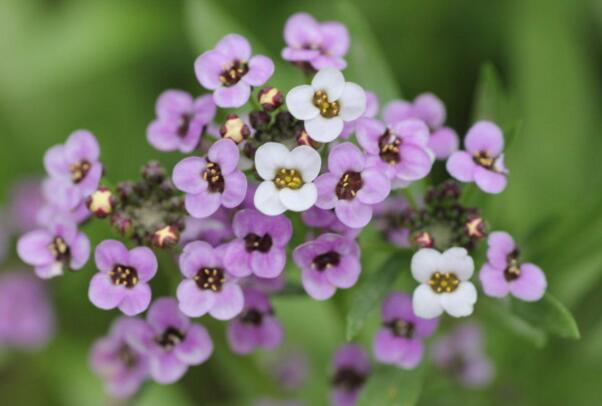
(101, 203)
(475, 227)
(235, 129)
(166, 237)
(126, 190)
(424, 239)
(270, 98)
(303, 138)
(260, 120)
(122, 223)
(153, 172)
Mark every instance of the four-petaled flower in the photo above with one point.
(351, 367)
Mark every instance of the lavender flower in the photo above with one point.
(215, 229)
(180, 121)
(351, 368)
(503, 273)
(392, 218)
(372, 107)
(26, 201)
(327, 221)
(123, 278)
(350, 187)
(256, 326)
(329, 262)
(259, 247)
(208, 286)
(230, 71)
(212, 181)
(50, 250)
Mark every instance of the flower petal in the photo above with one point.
(461, 166)
(235, 189)
(235, 46)
(426, 303)
(237, 259)
(335, 38)
(267, 199)
(345, 157)
(397, 110)
(302, 29)
(110, 253)
(316, 284)
(368, 132)
(203, 204)
(531, 285)
(197, 346)
(299, 101)
(103, 293)
(430, 109)
(460, 303)
(375, 187)
(493, 282)
(136, 299)
(143, 259)
(166, 368)
(208, 67)
(456, 260)
(300, 199)
(444, 142)
(270, 264)
(33, 248)
(187, 175)
(228, 303)
(261, 68)
(489, 181)
(232, 96)
(326, 185)
(192, 301)
(353, 213)
(353, 102)
(307, 161)
(324, 129)
(225, 153)
(484, 136)
(164, 313)
(424, 263)
(386, 347)
(500, 245)
(346, 274)
(331, 81)
(270, 157)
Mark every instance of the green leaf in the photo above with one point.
(501, 315)
(550, 315)
(371, 291)
(392, 386)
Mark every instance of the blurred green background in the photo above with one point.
(100, 64)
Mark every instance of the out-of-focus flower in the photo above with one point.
(180, 121)
(371, 111)
(445, 284)
(351, 368)
(230, 71)
(26, 201)
(287, 178)
(52, 209)
(503, 273)
(350, 187)
(289, 367)
(393, 217)
(215, 229)
(326, 104)
(212, 181)
(483, 160)
(259, 247)
(327, 221)
(123, 278)
(399, 342)
(265, 285)
(329, 262)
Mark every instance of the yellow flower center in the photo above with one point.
(327, 109)
(288, 178)
(444, 282)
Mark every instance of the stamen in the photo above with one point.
(59, 249)
(389, 148)
(213, 176)
(126, 276)
(348, 186)
(253, 242)
(232, 74)
(79, 170)
(288, 178)
(210, 279)
(444, 282)
(326, 260)
(327, 109)
(170, 338)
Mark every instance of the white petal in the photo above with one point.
(424, 263)
(331, 81)
(459, 303)
(458, 261)
(299, 101)
(300, 199)
(270, 157)
(426, 303)
(267, 199)
(324, 129)
(306, 160)
(353, 102)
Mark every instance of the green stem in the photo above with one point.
(410, 197)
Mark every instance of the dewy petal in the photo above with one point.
(187, 175)
(228, 303)
(456, 260)
(460, 303)
(424, 263)
(461, 166)
(197, 346)
(194, 302)
(267, 199)
(208, 67)
(235, 189)
(203, 204)
(110, 253)
(353, 213)
(326, 185)
(531, 285)
(324, 129)
(316, 284)
(335, 38)
(375, 188)
(143, 259)
(353, 102)
(299, 101)
(307, 160)
(103, 293)
(235, 46)
(331, 81)
(225, 153)
(299, 199)
(232, 96)
(270, 157)
(345, 157)
(426, 303)
(430, 109)
(489, 181)
(261, 69)
(493, 281)
(302, 29)
(444, 142)
(484, 136)
(136, 299)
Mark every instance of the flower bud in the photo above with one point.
(475, 227)
(303, 138)
(126, 190)
(424, 239)
(101, 203)
(122, 223)
(153, 172)
(166, 237)
(260, 120)
(235, 129)
(270, 98)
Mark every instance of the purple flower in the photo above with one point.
(400, 151)
(327, 221)
(180, 121)
(399, 342)
(259, 247)
(50, 250)
(212, 181)
(313, 44)
(26, 311)
(460, 354)
(230, 71)
(266, 285)
(74, 169)
(26, 201)
(503, 273)
(390, 218)
(122, 367)
(171, 341)
(371, 111)
(329, 262)
(215, 229)
(289, 367)
(256, 326)
(351, 368)
(208, 286)
(350, 187)
(123, 278)
(483, 160)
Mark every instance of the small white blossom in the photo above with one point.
(445, 284)
(326, 104)
(288, 178)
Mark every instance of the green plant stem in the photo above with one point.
(410, 197)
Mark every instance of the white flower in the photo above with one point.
(326, 104)
(288, 177)
(444, 281)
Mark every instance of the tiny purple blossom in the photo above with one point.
(171, 341)
(350, 187)
(180, 121)
(256, 327)
(230, 71)
(399, 342)
(212, 181)
(372, 107)
(483, 160)
(329, 262)
(351, 368)
(122, 367)
(504, 274)
(49, 250)
(327, 221)
(259, 247)
(26, 202)
(208, 286)
(123, 278)
(313, 44)
(74, 169)
(386, 216)
(215, 229)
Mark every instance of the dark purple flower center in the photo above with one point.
(127, 356)
(210, 279)
(401, 328)
(79, 170)
(213, 175)
(326, 260)
(388, 145)
(253, 242)
(348, 186)
(327, 108)
(185, 121)
(252, 316)
(170, 338)
(483, 159)
(122, 275)
(348, 379)
(234, 73)
(512, 271)
(59, 249)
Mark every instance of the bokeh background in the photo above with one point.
(100, 64)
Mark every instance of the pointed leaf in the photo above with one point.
(550, 315)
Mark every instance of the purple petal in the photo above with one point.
(161, 135)
(344, 397)
(110, 253)
(33, 248)
(396, 111)
(235, 189)
(335, 38)
(412, 130)
(136, 299)
(203, 204)
(531, 285)
(461, 166)
(209, 66)
(368, 132)
(493, 281)
(237, 259)
(242, 337)
(164, 313)
(269, 264)
(326, 185)
(232, 96)
(103, 293)
(261, 68)
(352, 356)
(270, 333)
(82, 145)
(345, 157)
(197, 346)
(171, 104)
(55, 162)
(228, 303)
(187, 175)
(235, 46)
(353, 213)
(415, 162)
(444, 142)
(301, 29)
(281, 229)
(387, 348)
(346, 274)
(80, 251)
(144, 261)
(196, 255)
(62, 194)
(430, 109)
(397, 306)
(225, 153)
(375, 188)
(167, 368)
(326, 61)
(412, 354)
(500, 245)
(484, 136)
(489, 181)
(302, 55)
(316, 284)
(194, 302)
(90, 183)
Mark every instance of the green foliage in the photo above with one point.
(391, 386)
(548, 314)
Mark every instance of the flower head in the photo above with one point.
(326, 104)
(445, 284)
(122, 280)
(230, 71)
(351, 367)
